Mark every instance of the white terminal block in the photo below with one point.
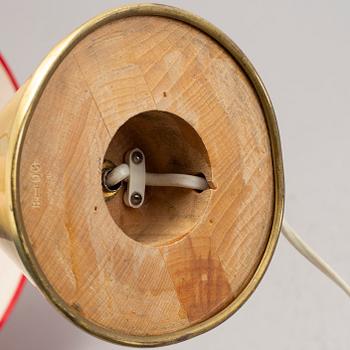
(135, 193)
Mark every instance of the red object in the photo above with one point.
(12, 302)
(23, 279)
(8, 71)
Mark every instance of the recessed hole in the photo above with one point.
(170, 145)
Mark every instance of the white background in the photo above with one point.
(302, 51)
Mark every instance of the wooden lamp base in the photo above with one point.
(162, 80)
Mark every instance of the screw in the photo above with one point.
(137, 157)
(136, 198)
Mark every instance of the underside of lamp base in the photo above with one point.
(161, 80)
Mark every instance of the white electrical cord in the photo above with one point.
(177, 180)
(117, 175)
(122, 172)
(310, 255)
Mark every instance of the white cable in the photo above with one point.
(121, 173)
(118, 174)
(177, 180)
(310, 255)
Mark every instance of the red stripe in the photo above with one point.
(9, 72)
(13, 301)
(23, 279)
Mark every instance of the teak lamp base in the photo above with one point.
(171, 84)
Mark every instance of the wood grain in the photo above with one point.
(184, 256)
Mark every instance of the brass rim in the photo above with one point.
(24, 113)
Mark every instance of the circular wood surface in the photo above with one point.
(94, 259)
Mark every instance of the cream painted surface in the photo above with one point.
(10, 274)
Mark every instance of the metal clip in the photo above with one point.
(135, 193)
